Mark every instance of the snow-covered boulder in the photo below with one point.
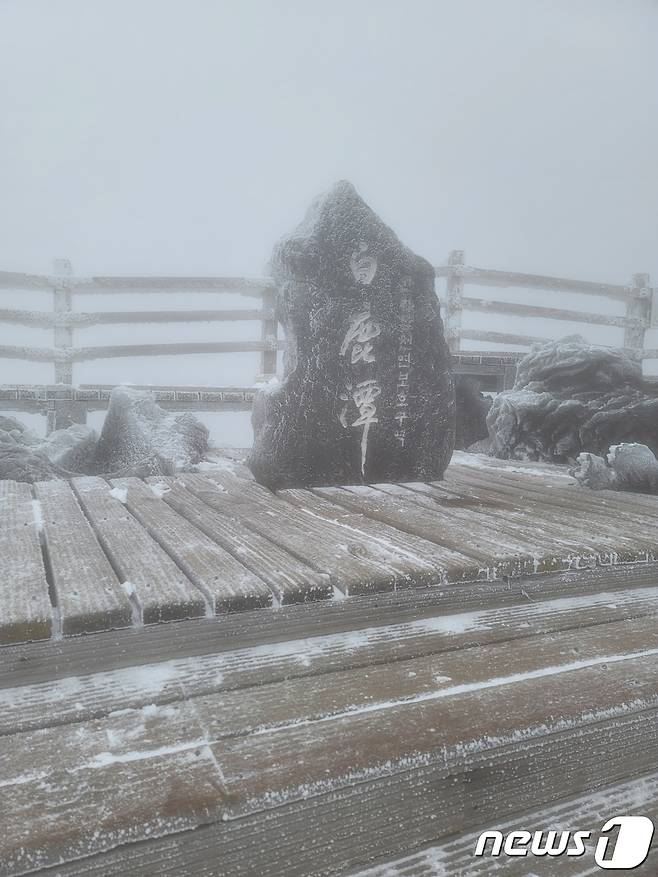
(572, 397)
(73, 449)
(626, 467)
(140, 438)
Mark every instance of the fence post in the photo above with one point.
(64, 411)
(454, 295)
(638, 308)
(63, 332)
(269, 330)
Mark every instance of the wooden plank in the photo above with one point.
(269, 332)
(535, 311)
(25, 609)
(549, 545)
(489, 277)
(159, 590)
(391, 815)
(586, 544)
(47, 319)
(637, 796)
(88, 594)
(464, 755)
(301, 759)
(638, 311)
(245, 285)
(125, 778)
(341, 693)
(354, 563)
(457, 566)
(641, 508)
(16, 280)
(31, 354)
(633, 530)
(132, 317)
(84, 354)
(291, 580)
(83, 695)
(27, 318)
(226, 583)
(453, 305)
(503, 337)
(63, 335)
(610, 593)
(494, 559)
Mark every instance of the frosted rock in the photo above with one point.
(140, 438)
(628, 466)
(72, 449)
(367, 393)
(20, 463)
(572, 397)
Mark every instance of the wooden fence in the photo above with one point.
(64, 403)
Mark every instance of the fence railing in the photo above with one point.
(63, 403)
(637, 296)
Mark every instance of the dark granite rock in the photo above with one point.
(572, 397)
(367, 393)
(140, 438)
(472, 409)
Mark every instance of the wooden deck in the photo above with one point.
(355, 676)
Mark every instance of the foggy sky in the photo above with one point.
(185, 136)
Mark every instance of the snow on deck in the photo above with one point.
(90, 555)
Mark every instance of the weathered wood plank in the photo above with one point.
(463, 766)
(503, 337)
(245, 285)
(524, 310)
(454, 857)
(492, 277)
(82, 695)
(120, 317)
(158, 588)
(31, 354)
(495, 557)
(36, 662)
(25, 608)
(548, 479)
(88, 593)
(85, 354)
(75, 790)
(81, 319)
(550, 546)
(290, 580)
(583, 543)
(388, 816)
(374, 687)
(457, 566)
(354, 563)
(225, 582)
(632, 528)
(301, 759)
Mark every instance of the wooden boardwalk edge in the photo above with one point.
(44, 660)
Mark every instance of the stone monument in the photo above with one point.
(367, 394)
